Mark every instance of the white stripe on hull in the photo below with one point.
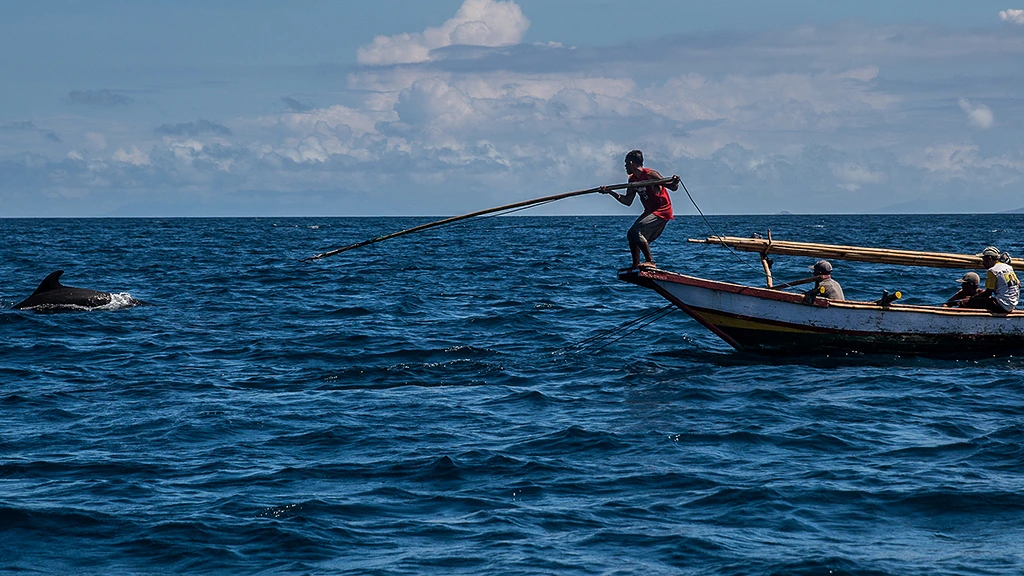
(846, 317)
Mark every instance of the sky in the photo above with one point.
(411, 108)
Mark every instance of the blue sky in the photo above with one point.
(432, 108)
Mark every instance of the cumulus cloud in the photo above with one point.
(98, 98)
(193, 129)
(759, 122)
(131, 156)
(1012, 16)
(477, 23)
(978, 115)
(432, 100)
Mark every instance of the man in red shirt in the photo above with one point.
(657, 208)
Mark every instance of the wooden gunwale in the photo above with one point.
(771, 294)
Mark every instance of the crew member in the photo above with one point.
(657, 208)
(1002, 288)
(969, 288)
(824, 285)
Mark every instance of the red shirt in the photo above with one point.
(654, 198)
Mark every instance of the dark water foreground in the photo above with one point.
(401, 409)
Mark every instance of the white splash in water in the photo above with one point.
(119, 301)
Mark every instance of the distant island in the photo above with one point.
(1017, 211)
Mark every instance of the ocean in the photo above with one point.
(418, 406)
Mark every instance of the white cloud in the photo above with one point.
(946, 158)
(852, 176)
(812, 100)
(477, 23)
(978, 115)
(433, 101)
(780, 120)
(132, 156)
(1012, 16)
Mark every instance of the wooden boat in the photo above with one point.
(769, 320)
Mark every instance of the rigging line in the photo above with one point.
(588, 341)
(582, 344)
(645, 320)
(713, 231)
(670, 310)
(604, 333)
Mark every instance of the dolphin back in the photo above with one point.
(52, 295)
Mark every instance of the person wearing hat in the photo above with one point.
(1002, 288)
(657, 207)
(824, 285)
(969, 287)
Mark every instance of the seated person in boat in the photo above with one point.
(969, 288)
(1002, 288)
(657, 207)
(824, 285)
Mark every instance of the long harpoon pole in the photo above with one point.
(523, 204)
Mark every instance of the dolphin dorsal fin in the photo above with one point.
(51, 282)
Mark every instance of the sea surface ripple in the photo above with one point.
(418, 406)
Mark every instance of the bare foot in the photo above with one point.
(648, 265)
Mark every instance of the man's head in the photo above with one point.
(634, 160)
(822, 268)
(989, 256)
(971, 279)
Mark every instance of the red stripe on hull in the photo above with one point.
(745, 332)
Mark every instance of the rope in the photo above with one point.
(715, 232)
(667, 310)
(649, 317)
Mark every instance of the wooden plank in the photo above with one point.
(853, 253)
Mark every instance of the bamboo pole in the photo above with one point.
(765, 263)
(855, 253)
(767, 269)
(453, 219)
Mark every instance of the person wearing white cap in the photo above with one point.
(969, 287)
(1002, 288)
(824, 285)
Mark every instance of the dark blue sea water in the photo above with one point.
(407, 408)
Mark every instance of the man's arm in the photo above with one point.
(990, 283)
(626, 199)
(673, 185)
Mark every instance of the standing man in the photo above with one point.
(657, 208)
(1002, 288)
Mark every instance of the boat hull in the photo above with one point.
(772, 321)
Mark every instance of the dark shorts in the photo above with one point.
(648, 227)
(985, 302)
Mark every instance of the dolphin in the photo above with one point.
(52, 295)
